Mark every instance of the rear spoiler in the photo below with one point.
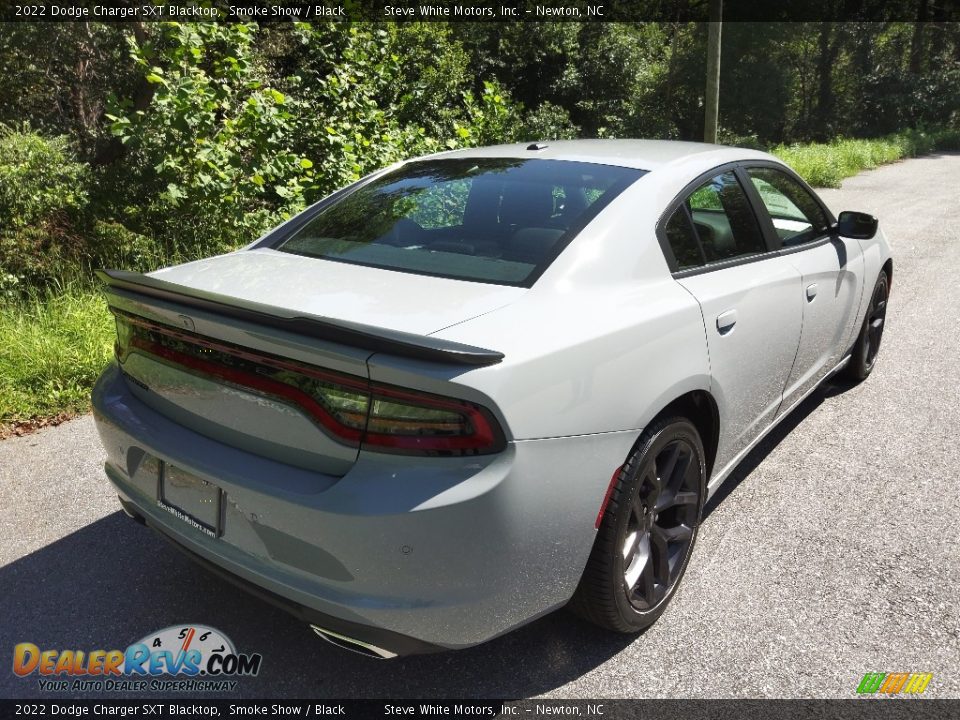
(368, 337)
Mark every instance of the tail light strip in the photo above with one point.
(350, 409)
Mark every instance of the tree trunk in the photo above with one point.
(713, 72)
(917, 42)
(671, 71)
(825, 101)
(112, 150)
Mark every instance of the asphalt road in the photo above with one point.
(834, 550)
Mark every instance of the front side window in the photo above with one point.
(797, 217)
(498, 220)
(723, 219)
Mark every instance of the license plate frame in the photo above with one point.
(190, 498)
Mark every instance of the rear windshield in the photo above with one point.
(496, 220)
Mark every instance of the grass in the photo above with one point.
(52, 348)
(827, 164)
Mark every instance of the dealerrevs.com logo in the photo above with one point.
(185, 658)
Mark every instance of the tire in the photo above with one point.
(627, 589)
(865, 349)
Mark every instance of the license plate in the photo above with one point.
(192, 499)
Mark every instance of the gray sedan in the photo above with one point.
(478, 386)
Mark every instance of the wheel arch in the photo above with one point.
(700, 408)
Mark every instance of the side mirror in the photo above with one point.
(856, 225)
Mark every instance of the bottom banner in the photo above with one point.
(892, 709)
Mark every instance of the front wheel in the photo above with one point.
(648, 530)
(865, 350)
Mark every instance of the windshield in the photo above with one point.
(497, 220)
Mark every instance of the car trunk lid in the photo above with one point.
(279, 381)
(386, 299)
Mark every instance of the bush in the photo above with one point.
(210, 166)
(43, 197)
(827, 164)
(947, 139)
(548, 122)
(42, 254)
(816, 163)
(112, 245)
(48, 234)
(728, 137)
(228, 150)
(40, 178)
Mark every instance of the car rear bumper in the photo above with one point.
(407, 554)
(368, 640)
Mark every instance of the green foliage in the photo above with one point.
(43, 195)
(727, 137)
(214, 150)
(548, 122)
(52, 347)
(490, 118)
(756, 78)
(57, 75)
(827, 164)
(947, 139)
(247, 125)
(154, 143)
(113, 245)
(432, 74)
(37, 256)
(40, 178)
(346, 87)
(369, 96)
(620, 103)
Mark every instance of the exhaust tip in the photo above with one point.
(352, 644)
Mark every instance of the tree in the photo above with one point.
(713, 71)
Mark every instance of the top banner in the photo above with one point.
(482, 11)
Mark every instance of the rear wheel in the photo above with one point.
(648, 530)
(868, 342)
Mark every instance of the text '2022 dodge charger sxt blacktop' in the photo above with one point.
(478, 386)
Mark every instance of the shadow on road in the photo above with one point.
(836, 386)
(112, 582)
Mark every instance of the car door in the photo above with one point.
(750, 301)
(831, 270)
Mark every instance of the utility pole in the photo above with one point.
(713, 72)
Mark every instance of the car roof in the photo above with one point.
(640, 154)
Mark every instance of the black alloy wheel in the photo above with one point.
(660, 527)
(648, 530)
(865, 350)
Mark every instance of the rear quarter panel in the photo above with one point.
(602, 361)
(604, 339)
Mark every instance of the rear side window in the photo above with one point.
(796, 216)
(723, 219)
(498, 220)
(682, 240)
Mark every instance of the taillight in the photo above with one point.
(408, 421)
(351, 409)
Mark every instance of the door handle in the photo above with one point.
(726, 321)
(811, 292)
